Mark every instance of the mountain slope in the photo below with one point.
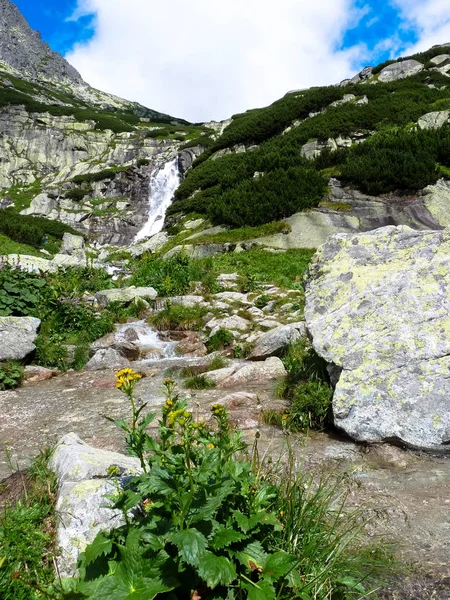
(374, 132)
(70, 152)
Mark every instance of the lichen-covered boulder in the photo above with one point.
(17, 335)
(378, 308)
(84, 479)
(105, 297)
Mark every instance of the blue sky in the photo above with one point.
(50, 17)
(205, 59)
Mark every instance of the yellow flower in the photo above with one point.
(210, 446)
(126, 377)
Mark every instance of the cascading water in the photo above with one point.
(163, 185)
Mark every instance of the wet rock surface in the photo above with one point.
(411, 489)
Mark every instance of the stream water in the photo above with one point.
(146, 338)
(163, 185)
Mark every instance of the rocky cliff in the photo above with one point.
(73, 153)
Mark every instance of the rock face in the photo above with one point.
(377, 308)
(17, 335)
(23, 49)
(400, 70)
(83, 481)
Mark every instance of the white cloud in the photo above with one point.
(429, 18)
(204, 60)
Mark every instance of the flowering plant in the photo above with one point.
(203, 516)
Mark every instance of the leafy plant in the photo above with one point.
(307, 387)
(204, 520)
(51, 352)
(20, 291)
(11, 375)
(220, 340)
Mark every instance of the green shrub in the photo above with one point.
(51, 352)
(11, 375)
(99, 175)
(77, 194)
(307, 387)
(177, 316)
(397, 160)
(35, 231)
(220, 340)
(169, 277)
(310, 407)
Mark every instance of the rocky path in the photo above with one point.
(408, 492)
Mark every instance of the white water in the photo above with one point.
(147, 339)
(163, 185)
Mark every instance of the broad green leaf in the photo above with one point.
(262, 590)
(278, 565)
(224, 536)
(208, 510)
(99, 547)
(215, 570)
(253, 556)
(191, 545)
(116, 588)
(241, 520)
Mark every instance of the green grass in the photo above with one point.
(9, 246)
(22, 195)
(243, 233)
(339, 206)
(27, 529)
(176, 317)
(199, 382)
(284, 269)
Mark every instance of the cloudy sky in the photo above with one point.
(206, 59)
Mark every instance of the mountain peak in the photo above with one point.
(23, 51)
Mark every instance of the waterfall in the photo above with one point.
(163, 185)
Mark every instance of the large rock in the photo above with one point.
(73, 245)
(400, 70)
(84, 480)
(17, 335)
(153, 244)
(437, 201)
(275, 341)
(378, 308)
(253, 373)
(107, 358)
(105, 297)
(434, 120)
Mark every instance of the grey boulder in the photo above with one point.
(378, 310)
(400, 70)
(107, 358)
(17, 335)
(105, 297)
(84, 478)
(275, 341)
